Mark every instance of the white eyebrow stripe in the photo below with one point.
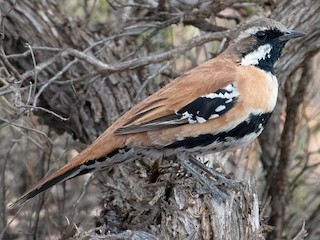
(254, 30)
(249, 32)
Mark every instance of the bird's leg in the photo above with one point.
(213, 180)
(220, 178)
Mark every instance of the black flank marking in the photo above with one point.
(249, 126)
(111, 154)
(101, 159)
(92, 162)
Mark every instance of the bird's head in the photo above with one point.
(260, 43)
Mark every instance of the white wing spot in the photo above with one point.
(214, 116)
(228, 94)
(230, 87)
(211, 95)
(200, 119)
(188, 116)
(220, 108)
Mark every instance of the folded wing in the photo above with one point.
(177, 105)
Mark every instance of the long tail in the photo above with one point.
(84, 163)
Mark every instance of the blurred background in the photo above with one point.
(69, 69)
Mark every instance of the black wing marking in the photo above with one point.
(211, 105)
(198, 111)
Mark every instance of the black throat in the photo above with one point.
(267, 63)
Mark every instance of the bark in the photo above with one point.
(277, 160)
(88, 74)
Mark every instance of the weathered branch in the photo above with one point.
(89, 73)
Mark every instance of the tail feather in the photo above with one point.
(70, 170)
(49, 181)
(44, 184)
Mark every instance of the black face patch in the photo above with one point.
(268, 35)
(254, 124)
(266, 51)
(210, 106)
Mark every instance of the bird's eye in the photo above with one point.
(261, 35)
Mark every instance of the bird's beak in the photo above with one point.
(291, 34)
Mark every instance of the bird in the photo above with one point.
(220, 105)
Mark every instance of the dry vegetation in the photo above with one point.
(68, 69)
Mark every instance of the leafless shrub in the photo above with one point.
(66, 77)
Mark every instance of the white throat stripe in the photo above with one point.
(254, 57)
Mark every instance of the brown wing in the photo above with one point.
(159, 110)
